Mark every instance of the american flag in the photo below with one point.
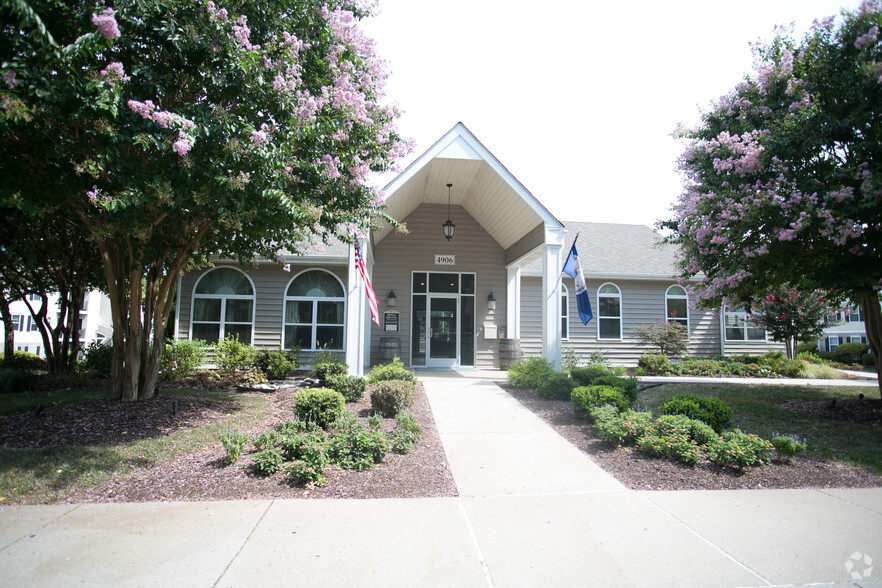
(372, 297)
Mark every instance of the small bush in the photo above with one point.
(678, 447)
(390, 397)
(23, 360)
(325, 365)
(850, 352)
(394, 371)
(628, 386)
(868, 360)
(233, 444)
(406, 432)
(669, 338)
(268, 461)
(266, 440)
(529, 372)
(359, 450)
(788, 446)
(654, 363)
(737, 449)
(99, 360)
(708, 409)
(347, 422)
(793, 368)
(807, 347)
(181, 359)
(623, 428)
(569, 359)
(16, 380)
(810, 357)
(276, 364)
(585, 376)
(319, 405)
(584, 398)
(556, 386)
(375, 422)
(351, 387)
(304, 473)
(232, 355)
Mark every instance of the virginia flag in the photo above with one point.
(573, 268)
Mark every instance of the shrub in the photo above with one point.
(232, 355)
(669, 338)
(347, 422)
(351, 387)
(602, 413)
(359, 450)
(233, 444)
(569, 359)
(585, 376)
(394, 371)
(406, 432)
(325, 365)
(628, 386)
(303, 473)
(268, 461)
(276, 364)
(677, 446)
(375, 422)
(180, 359)
(16, 380)
(810, 357)
(529, 372)
(738, 450)
(788, 446)
(850, 352)
(266, 440)
(820, 371)
(708, 409)
(793, 368)
(654, 363)
(868, 360)
(390, 397)
(623, 428)
(584, 398)
(319, 405)
(807, 347)
(556, 386)
(22, 360)
(99, 360)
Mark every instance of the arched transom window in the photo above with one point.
(677, 306)
(314, 312)
(609, 306)
(223, 306)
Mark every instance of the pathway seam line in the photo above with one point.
(244, 543)
(474, 537)
(41, 527)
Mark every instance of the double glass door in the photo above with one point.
(443, 324)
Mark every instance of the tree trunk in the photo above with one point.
(869, 302)
(8, 331)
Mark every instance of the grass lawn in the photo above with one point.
(44, 474)
(755, 410)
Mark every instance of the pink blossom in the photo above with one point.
(106, 23)
(319, 247)
(868, 38)
(259, 137)
(286, 267)
(9, 78)
(183, 145)
(93, 194)
(114, 73)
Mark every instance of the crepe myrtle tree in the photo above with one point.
(791, 316)
(783, 175)
(172, 131)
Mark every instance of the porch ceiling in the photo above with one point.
(481, 185)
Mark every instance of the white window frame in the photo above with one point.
(18, 322)
(315, 300)
(222, 331)
(741, 315)
(601, 318)
(669, 297)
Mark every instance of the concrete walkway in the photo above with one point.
(532, 511)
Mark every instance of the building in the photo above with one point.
(459, 302)
(95, 322)
(847, 326)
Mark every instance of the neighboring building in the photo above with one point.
(848, 327)
(453, 303)
(95, 322)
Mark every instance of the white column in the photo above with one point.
(513, 304)
(355, 323)
(551, 269)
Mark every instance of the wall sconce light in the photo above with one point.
(448, 227)
(491, 301)
(391, 298)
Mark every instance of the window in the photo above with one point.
(853, 315)
(32, 324)
(34, 297)
(832, 343)
(18, 322)
(740, 328)
(564, 312)
(314, 312)
(223, 306)
(609, 306)
(677, 305)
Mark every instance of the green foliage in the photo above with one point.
(347, 422)
(375, 422)
(868, 360)
(391, 372)
(569, 359)
(584, 398)
(305, 473)
(788, 446)
(585, 376)
(266, 440)
(16, 380)
(807, 347)
(389, 397)
(792, 314)
(623, 428)
(406, 432)
(628, 386)
(22, 360)
(737, 449)
(556, 386)
(319, 405)
(359, 450)
(529, 372)
(676, 446)
(233, 443)
(707, 409)
(181, 359)
(810, 357)
(694, 366)
(850, 352)
(327, 364)
(654, 364)
(276, 364)
(233, 355)
(99, 360)
(268, 461)
(351, 387)
(669, 338)
(820, 371)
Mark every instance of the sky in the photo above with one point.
(577, 99)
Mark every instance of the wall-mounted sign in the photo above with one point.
(445, 259)
(390, 321)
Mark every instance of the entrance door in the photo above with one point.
(443, 347)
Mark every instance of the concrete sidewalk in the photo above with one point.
(532, 511)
